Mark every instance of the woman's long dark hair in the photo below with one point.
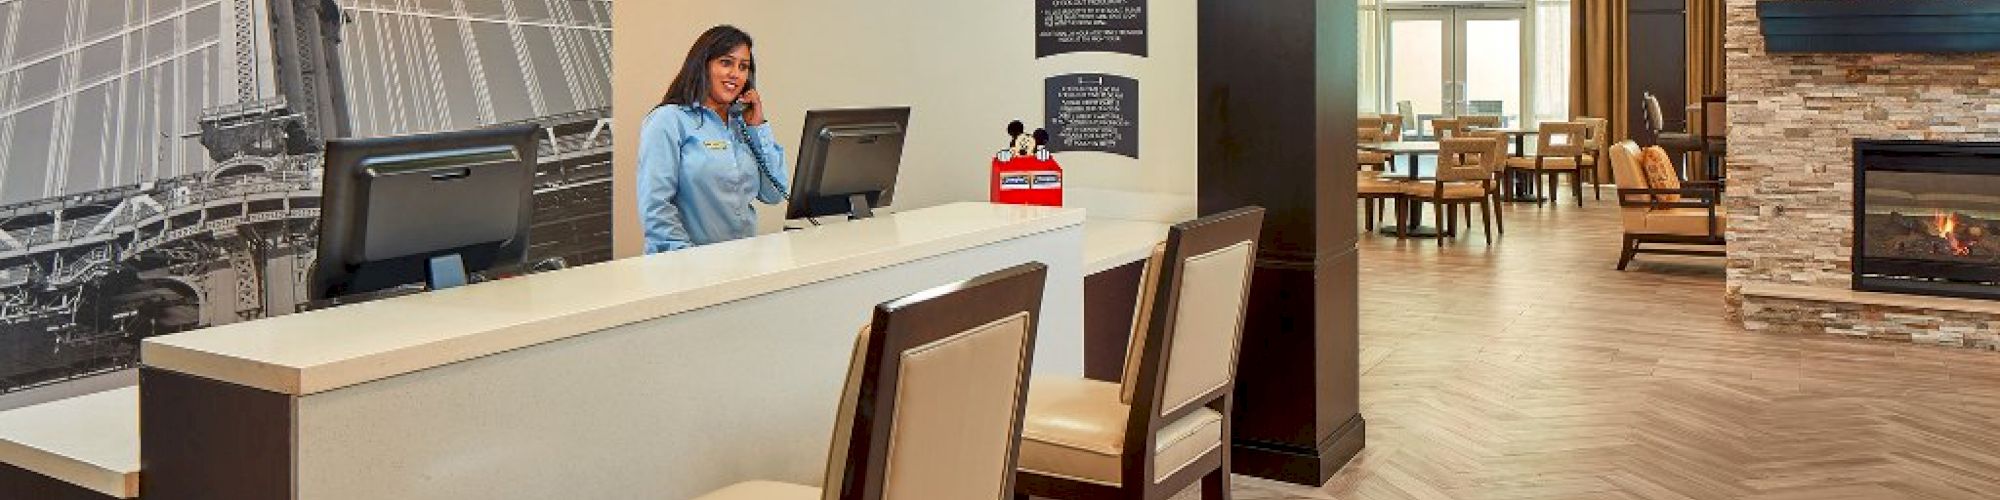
(692, 84)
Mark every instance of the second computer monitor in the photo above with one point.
(848, 161)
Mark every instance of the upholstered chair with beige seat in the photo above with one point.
(1559, 150)
(1165, 425)
(1462, 180)
(934, 397)
(1658, 208)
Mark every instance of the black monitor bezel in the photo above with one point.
(344, 197)
(807, 201)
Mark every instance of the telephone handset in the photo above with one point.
(737, 110)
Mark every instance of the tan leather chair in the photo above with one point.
(1462, 180)
(1165, 425)
(1558, 151)
(934, 397)
(1688, 215)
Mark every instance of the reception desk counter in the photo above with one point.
(654, 377)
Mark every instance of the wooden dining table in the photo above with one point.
(1412, 149)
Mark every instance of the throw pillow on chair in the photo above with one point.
(1660, 173)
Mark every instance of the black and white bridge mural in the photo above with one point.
(160, 159)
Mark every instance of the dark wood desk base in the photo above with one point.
(1108, 300)
(16, 482)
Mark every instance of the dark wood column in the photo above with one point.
(1277, 81)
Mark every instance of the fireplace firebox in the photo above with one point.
(1927, 218)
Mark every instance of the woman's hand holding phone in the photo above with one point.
(753, 106)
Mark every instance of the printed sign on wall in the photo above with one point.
(1064, 26)
(1093, 112)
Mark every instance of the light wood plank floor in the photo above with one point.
(1533, 370)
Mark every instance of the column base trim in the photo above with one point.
(1297, 465)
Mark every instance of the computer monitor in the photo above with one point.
(430, 209)
(848, 161)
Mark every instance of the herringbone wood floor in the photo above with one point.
(1533, 370)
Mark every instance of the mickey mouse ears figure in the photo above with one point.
(1021, 144)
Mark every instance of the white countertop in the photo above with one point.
(317, 351)
(1109, 243)
(91, 441)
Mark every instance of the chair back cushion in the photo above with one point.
(1195, 318)
(1562, 139)
(1465, 159)
(1626, 172)
(1659, 172)
(1625, 169)
(1208, 323)
(938, 399)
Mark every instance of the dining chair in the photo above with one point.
(1496, 165)
(934, 397)
(1462, 180)
(1164, 427)
(1559, 151)
(1596, 131)
(1446, 128)
(1392, 127)
(1479, 121)
(1678, 143)
(1368, 131)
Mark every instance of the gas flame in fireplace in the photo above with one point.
(1947, 228)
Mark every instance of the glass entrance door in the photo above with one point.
(1419, 67)
(1453, 61)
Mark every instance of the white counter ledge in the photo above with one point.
(1109, 243)
(91, 441)
(318, 351)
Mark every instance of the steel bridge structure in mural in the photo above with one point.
(214, 220)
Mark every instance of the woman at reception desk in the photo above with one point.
(706, 152)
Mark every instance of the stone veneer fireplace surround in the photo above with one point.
(1790, 198)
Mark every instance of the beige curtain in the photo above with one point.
(1705, 76)
(1598, 59)
(1705, 24)
(1598, 62)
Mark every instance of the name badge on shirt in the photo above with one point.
(716, 145)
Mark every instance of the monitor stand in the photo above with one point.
(857, 207)
(447, 271)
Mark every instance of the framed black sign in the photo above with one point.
(1064, 26)
(1093, 112)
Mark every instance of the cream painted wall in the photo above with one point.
(965, 67)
